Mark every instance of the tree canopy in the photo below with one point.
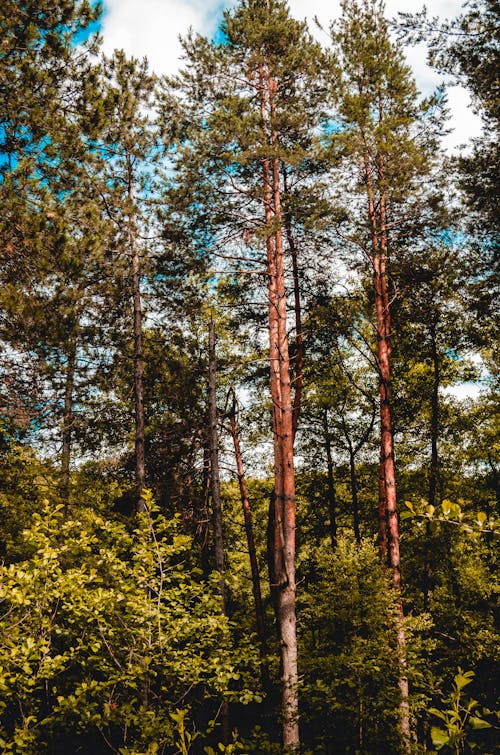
(249, 493)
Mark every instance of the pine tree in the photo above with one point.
(259, 97)
(122, 128)
(381, 135)
(37, 53)
(41, 70)
(52, 284)
(466, 47)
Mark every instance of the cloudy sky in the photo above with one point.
(152, 28)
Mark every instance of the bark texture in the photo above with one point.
(299, 336)
(283, 529)
(387, 511)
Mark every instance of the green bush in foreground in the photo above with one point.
(104, 634)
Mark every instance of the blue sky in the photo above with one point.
(152, 28)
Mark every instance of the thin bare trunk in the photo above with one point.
(385, 348)
(67, 425)
(353, 449)
(214, 462)
(216, 499)
(276, 550)
(434, 466)
(387, 461)
(332, 503)
(381, 336)
(434, 469)
(202, 517)
(287, 614)
(388, 528)
(494, 481)
(247, 516)
(140, 465)
(299, 337)
(354, 493)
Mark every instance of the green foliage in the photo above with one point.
(466, 47)
(38, 50)
(461, 716)
(110, 638)
(24, 484)
(453, 514)
(347, 617)
(377, 103)
(104, 632)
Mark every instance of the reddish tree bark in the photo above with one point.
(284, 492)
(388, 534)
(276, 564)
(387, 509)
(381, 325)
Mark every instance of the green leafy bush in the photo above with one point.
(347, 617)
(105, 633)
(459, 718)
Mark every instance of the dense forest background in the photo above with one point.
(249, 464)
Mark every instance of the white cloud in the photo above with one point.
(151, 28)
(464, 122)
(464, 391)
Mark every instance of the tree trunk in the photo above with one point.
(434, 469)
(434, 466)
(494, 481)
(140, 466)
(67, 425)
(202, 522)
(247, 516)
(352, 474)
(216, 499)
(299, 338)
(382, 527)
(214, 463)
(284, 492)
(388, 530)
(331, 482)
(381, 325)
(387, 462)
(287, 620)
(390, 475)
(275, 552)
(354, 494)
